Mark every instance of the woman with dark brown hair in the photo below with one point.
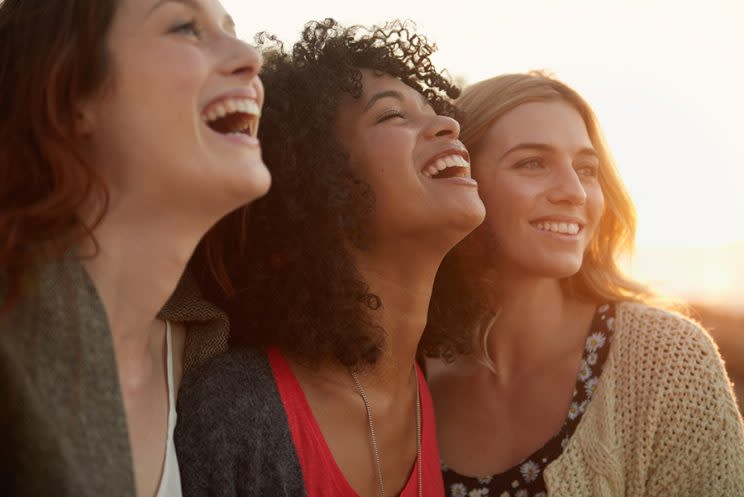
(127, 129)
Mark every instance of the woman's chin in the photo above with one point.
(472, 219)
(560, 268)
(253, 184)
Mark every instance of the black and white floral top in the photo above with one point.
(526, 478)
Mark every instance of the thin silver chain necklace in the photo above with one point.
(373, 438)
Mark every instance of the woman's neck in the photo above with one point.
(536, 322)
(403, 282)
(135, 266)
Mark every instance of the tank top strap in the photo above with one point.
(170, 479)
(169, 362)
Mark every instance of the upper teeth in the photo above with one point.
(230, 105)
(566, 228)
(443, 163)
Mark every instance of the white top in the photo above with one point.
(170, 480)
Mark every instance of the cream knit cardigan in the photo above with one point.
(663, 420)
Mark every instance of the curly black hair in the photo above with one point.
(281, 267)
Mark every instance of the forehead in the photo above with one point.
(374, 82)
(554, 123)
(143, 8)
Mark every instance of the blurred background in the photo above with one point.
(665, 79)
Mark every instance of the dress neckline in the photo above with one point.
(527, 475)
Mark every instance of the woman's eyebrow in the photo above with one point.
(191, 3)
(383, 94)
(531, 146)
(228, 23)
(588, 151)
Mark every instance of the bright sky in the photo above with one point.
(666, 79)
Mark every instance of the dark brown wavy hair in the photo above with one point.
(281, 267)
(52, 53)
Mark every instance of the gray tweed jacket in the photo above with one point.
(63, 429)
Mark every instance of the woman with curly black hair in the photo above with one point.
(371, 188)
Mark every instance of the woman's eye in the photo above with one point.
(589, 170)
(391, 115)
(190, 28)
(529, 164)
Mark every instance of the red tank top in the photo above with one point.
(321, 474)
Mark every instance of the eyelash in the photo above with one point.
(390, 115)
(592, 170)
(525, 164)
(190, 28)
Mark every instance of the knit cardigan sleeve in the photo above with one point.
(663, 420)
(699, 439)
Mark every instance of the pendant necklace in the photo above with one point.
(373, 438)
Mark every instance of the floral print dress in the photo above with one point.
(526, 478)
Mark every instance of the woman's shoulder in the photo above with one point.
(661, 331)
(232, 433)
(233, 377)
(230, 392)
(673, 352)
(231, 398)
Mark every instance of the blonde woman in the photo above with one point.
(573, 384)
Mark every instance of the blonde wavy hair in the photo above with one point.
(600, 278)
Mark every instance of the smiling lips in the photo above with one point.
(234, 115)
(449, 166)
